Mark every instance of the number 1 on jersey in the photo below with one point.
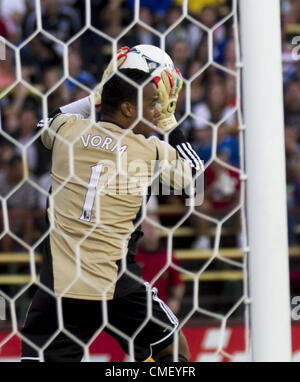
(91, 192)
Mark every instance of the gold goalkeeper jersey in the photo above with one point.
(100, 173)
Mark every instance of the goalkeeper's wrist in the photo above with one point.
(167, 124)
(176, 137)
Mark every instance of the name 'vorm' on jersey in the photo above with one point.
(91, 226)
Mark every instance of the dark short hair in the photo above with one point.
(117, 90)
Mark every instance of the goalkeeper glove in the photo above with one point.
(121, 57)
(169, 85)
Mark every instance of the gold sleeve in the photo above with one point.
(49, 134)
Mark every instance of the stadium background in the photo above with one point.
(212, 97)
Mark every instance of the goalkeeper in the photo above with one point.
(94, 223)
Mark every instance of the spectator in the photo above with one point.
(20, 204)
(3, 28)
(196, 6)
(58, 96)
(221, 196)
(76, 71)
(180, 54)
(141, 34)
(153, 258)
(7, 72)
(214, 108)
(177, 31)
(111, 17)
(209, 17)
(7, 151)
(230, 55)
(19, 100)
(203, 142)
(159, 8)
(226, 144)
(288, 58)
(173, 14)
(9, 8)
(230, 90)
(201, 52)
(13, 12)
(39, 55)
(196, 95)
(60, 20)
(292, 151)
(201, 56)
(292, 12)
(293, 71)
(292, 103)
(197, 88)
(27, 130)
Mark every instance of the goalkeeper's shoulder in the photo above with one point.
(57, 117)
(52, 125)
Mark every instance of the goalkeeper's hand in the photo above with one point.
(121, 57)
(169, 85)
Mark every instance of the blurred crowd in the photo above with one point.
(207, 107)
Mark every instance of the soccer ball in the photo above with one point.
(149, 59)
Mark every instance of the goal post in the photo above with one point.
(266, 190)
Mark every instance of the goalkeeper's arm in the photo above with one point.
(169, 85)
(179, 166)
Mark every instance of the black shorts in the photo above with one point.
(144, 328)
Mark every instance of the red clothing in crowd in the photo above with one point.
(152, 263)
(3, 30)
(223, 189)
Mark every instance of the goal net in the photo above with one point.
(53, 53)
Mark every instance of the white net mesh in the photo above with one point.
(51, 63)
